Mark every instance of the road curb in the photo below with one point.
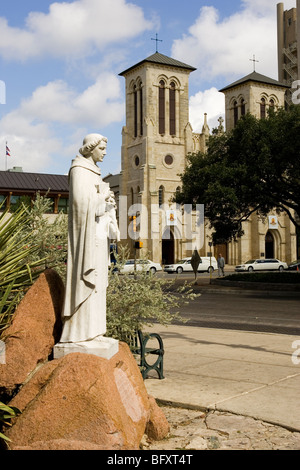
(221, 286)
(207, 409)
(242, 291)
(257, 285)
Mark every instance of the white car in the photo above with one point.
(185, 265)
(208, 264)
(141, 265)
(270, 264)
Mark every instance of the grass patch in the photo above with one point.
(268, 277)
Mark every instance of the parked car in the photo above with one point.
(208, 264)
(262, 265)
(141, 265)
(184, 265)
(294, 266)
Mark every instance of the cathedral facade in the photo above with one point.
(156, 139)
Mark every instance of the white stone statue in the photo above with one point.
(92, 224)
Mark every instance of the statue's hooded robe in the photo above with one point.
(84, 312)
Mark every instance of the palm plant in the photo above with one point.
(6, 414)
(16, 271)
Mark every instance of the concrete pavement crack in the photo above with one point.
(214, 405)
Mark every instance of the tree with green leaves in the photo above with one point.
(253, 168)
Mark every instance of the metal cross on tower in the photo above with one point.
(157, 40)
(254, 60)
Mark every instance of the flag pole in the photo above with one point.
(7, 153)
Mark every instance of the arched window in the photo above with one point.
(161, 195)
(272, 105)
(135, 110)
(161, 108)
(172, 109)
(141, 110)
(263, 108)
(235, 113)
(132, 196)
(243, 107)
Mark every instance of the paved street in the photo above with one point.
(249, 312)
(241, 310)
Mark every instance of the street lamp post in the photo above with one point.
(210, 270)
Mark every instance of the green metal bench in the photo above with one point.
(140, 348)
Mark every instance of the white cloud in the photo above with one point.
(222, 48)
(266, 7)
(72, 29)
(211, 102)
(32, 153)
(102, 103)
(31, 143)
(16, 43)
(98, 105)
(32, 129)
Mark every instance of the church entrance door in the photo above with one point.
(269, 245)
(168, 246)
(221, 249)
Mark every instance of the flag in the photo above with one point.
(7, 151)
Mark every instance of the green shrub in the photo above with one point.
(29, 243)
(49, 235)
(135, 302)
(17, 268)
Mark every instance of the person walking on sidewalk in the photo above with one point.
(221, 265)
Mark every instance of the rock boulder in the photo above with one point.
(82, 401)
(79, 401)
(35, 329)
(157, 426)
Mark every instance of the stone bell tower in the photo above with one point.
(156, 138)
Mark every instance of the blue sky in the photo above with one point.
(60, 63)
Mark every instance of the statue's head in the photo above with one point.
(90, 142)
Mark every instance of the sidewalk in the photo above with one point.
(245, 373)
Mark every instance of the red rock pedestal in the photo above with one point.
(79, 401)
(82, 400)
(36, 327)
